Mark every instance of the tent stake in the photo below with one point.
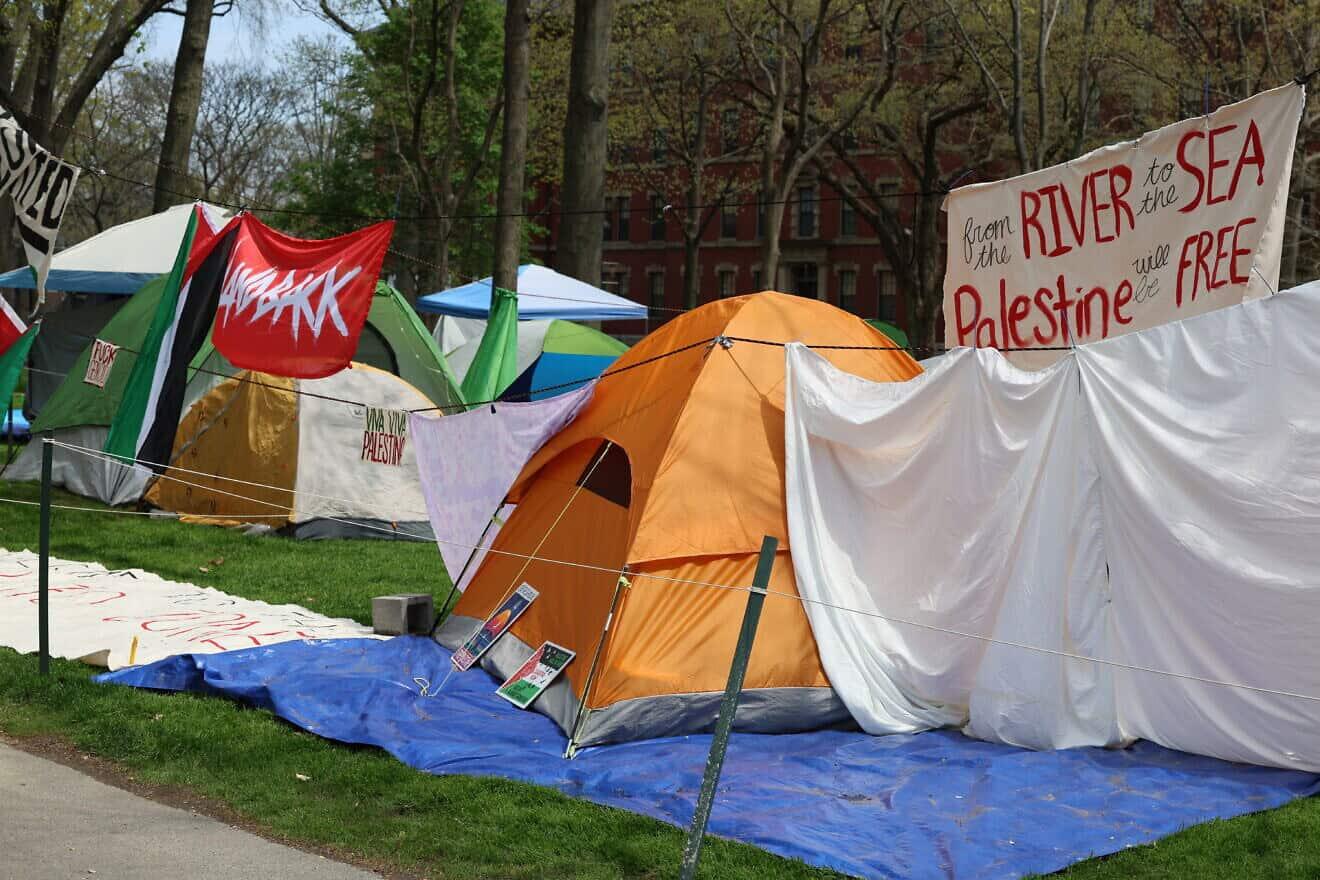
(43, 582)
(728, 706)
(580, 721)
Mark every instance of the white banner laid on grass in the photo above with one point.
(95, 614)
(1181, 221)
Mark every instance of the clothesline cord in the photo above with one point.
(633, 574)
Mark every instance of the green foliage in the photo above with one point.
(390, 145)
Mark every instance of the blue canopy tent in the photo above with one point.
(119, 260)
(543, 294)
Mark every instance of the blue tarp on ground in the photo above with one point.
(932, 805)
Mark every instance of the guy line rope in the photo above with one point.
(634, 575)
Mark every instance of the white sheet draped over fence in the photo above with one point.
(1152, 501)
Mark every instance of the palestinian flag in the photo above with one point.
(273, 303)
(12, 358)
(11, 326)
(144, 426)
(15, 343)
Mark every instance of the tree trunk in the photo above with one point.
(1018, 120)
(1082, 122)
(692, 223)
(774, 222)
(185, 102)
(46, 69)
(1292, 242)
(580, 226)
(513, 145)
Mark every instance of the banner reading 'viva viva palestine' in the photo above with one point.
(1181, 221)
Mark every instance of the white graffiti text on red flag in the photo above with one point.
(262, 292)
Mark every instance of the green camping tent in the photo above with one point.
(895, 334)
(393, 339)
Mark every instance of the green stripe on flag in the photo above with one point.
(127, 425)
(11, 366)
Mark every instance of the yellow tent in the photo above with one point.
(319, 457)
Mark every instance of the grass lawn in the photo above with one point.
(363, 802)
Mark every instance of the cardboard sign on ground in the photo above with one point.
(534, 676)
(495, 626)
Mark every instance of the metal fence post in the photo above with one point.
(728, 706)
(43, 582)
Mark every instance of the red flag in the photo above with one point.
(294, 307)
(11, 326)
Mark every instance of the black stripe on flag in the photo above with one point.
(194, 316)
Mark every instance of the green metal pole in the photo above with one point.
(728, 706)
(43, 583)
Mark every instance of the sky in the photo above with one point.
(235, 37)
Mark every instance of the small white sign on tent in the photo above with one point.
(1181, 221)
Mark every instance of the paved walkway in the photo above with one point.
(56, 823)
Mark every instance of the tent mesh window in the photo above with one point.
(609, 475)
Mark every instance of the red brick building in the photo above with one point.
(827, 251)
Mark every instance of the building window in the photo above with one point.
(887, 190)
(935, 37)
(728, 221)
(659, 145)
(848, 289)
(761, 208)
(805, 281)
(847, 217)
(657, 217)
(616, 218)
(729, 129)
(756, 278)
(806, 211)
(725, 278)
(615, 281)
(619, 211)
(887, 307)
(655, 285)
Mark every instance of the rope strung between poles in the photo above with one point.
(106, 456)
(118, 512)
(634, 576)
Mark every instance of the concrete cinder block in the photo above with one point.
(405, 613)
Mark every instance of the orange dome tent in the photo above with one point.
(674, 470)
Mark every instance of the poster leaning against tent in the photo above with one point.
(1183, 220)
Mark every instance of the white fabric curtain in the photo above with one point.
(966, 538)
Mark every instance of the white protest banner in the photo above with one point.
(96, 615)
(40, 184)
(100, 362)
(1183, 220)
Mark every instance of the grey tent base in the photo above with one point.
(91, 476)
(320, 529)
(760, 710)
